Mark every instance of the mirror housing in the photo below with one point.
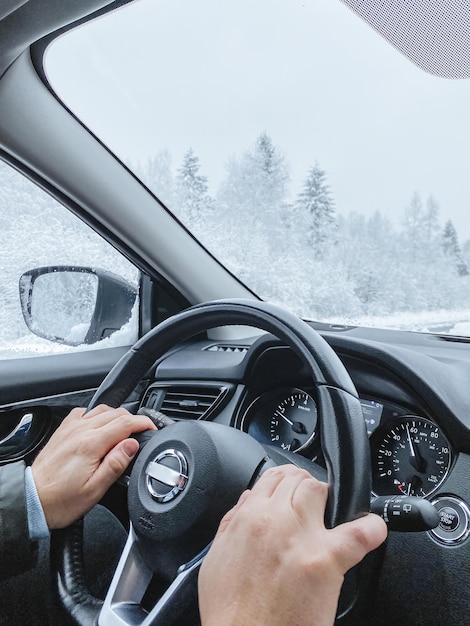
(75, 305)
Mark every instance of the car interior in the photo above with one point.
(236, 381)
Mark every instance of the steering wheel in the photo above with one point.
(189, 474)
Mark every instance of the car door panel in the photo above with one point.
(37, 393)
(40, 377)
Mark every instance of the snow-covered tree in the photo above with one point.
(315, 208)
(191, 190)
(256, 185)
(264, 168)
(451, 247)
(421, 240)
(367, 250)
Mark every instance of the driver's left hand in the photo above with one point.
(82, 459)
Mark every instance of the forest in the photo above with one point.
(294, 247)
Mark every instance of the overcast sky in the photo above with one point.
(178, 73)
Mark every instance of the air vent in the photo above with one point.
(185, 401)
(225, 347)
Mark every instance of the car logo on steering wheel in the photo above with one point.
(167, 475)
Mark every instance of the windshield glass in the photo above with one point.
(313, 159)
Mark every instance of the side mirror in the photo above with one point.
(75, 305)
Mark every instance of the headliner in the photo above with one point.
(435, 35)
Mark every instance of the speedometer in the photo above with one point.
(412, 457)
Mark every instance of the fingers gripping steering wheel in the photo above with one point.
(204, 467)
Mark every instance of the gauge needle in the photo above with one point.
(416, 459)
(297, 427)
(279, 414)
(412, 448)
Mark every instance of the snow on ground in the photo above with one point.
(447, 322)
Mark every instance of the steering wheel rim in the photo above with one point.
(342, 429)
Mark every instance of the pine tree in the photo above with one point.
(316, 209)
(451, 247)
(269, 165)
(258, 182)
(254, 193)
(192, 199)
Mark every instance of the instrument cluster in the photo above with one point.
(410, 454)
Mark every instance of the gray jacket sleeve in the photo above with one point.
(18, 552)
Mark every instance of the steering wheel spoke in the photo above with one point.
(123, 602)
(130, 582)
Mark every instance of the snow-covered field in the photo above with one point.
(445, 322)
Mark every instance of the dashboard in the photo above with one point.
(262, 388)
(414, 403)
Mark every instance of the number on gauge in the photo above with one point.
(411, 457)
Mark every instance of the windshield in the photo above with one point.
(314, 160)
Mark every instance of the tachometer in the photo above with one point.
(411, 457)
(286, 418)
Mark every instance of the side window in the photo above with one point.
(62, 287)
